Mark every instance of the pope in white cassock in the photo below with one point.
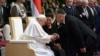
(35, 32)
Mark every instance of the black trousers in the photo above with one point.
(90, 47)
(71, 52)
(58, 52)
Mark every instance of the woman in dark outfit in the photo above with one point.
(51, 29)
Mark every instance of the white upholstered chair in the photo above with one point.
(16, 27)
(16, 46)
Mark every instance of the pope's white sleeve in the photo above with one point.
(43, 39)
(36, 32)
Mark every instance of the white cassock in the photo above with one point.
(35, 32)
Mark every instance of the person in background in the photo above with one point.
(69, 8)
(79, 8)
(78, 2)
(74, 2)
(86, 15)
(44, 6)
(92, 3)
(18, 9)
(49, 27)
(3, 19)
(98, 28)
(3, 13)
(6, 12)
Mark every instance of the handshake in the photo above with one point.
(54, 37)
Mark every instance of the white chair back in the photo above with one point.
(16, 27)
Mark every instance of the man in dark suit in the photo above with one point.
(3, 17)
(86, 15)
(75, 36)
(3, 13)
(6, 13)
(98, 28)
(69, 8)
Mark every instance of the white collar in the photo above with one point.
(58, 23)
(69, 6)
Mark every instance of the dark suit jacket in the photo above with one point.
(70, 11)
(98, 20)
(51, 30)
(90, 21)
(6, 13)
(98, 9)
(74, 34)
(5, 16)
(79, 11)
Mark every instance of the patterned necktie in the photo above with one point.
(86, 12)
(95, 11)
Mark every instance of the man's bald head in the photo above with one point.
(85, 3)
(69, 2)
